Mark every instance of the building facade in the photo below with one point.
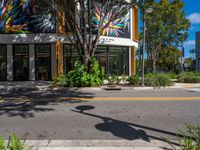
(198, 51)
(29, 52)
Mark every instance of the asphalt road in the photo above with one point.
(46, 116)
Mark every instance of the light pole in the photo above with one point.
(146, 11)
(183, 55)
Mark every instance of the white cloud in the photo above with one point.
(190, 43)
(194, 18)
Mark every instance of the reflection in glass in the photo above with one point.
(70, 54)
(43, 62)
(21, 63)
(3, 62)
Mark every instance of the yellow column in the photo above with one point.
(59, 55)
(135, 35)
(133, 60)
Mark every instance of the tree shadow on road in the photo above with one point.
(123, 129)
(26, 103)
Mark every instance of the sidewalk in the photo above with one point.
(47, 85)
(98, 145)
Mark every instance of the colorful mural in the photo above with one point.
(14, 15)
(22, 16)
(119, 27)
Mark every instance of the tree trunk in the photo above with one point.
(86, 61)
(154, 66)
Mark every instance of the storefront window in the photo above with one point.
(43, 62)
(3, 62)
(115, 60)
(101, 55)
(70, 55)
(20, 63)
(118, 60)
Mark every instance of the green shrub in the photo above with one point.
(60, 80)
(157, 80)
(171, 75)
(79, 77)
(189, 77)
(190, 140)
(134, 80)
(114, 79)
(14, 143)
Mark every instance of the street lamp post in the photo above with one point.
(146, 11)
(183, 55)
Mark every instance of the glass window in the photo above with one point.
(43, 62)
(118, 60)
(101, 55)
(70, 55)
(21, 63)
(115, 60)
(3, 62)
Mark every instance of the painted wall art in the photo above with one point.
(119, 27)
(25, 16)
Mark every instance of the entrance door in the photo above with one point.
(20, 63)
(43, 62)
(3, 63)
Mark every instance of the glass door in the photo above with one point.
(3, 63)
(20, 63)
(43, 62)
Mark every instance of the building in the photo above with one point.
(198, 51)
(28, 52)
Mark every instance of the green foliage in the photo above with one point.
(168, 60)
(79, 76)
(189, 77)
(171, 75)
(14, 143)
(114, 79)
(190, 140)
(134, 80)
(157, 80)
(164, 31)
(60, 80)
(2, 143)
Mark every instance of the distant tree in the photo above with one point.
(168, 60)
(167, 26)
(189, 64)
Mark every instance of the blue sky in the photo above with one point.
(192, 9)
